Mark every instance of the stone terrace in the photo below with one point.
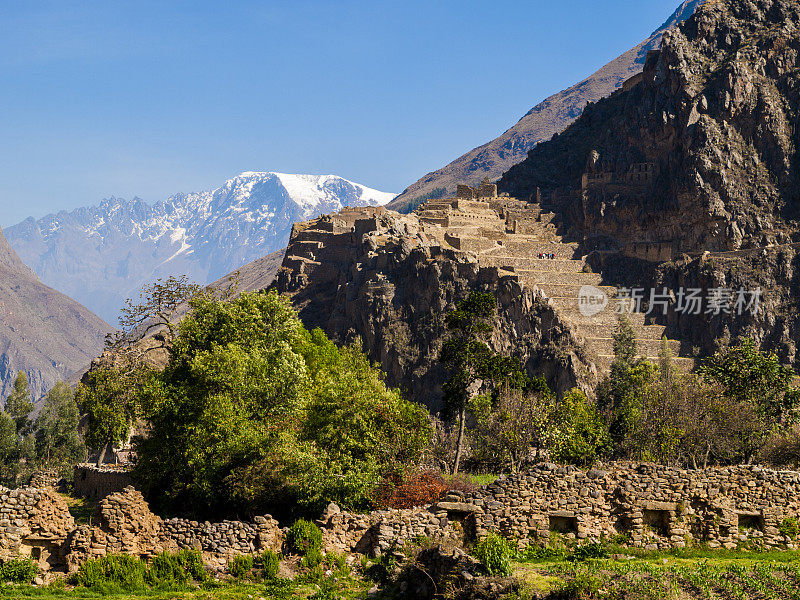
(512, 235)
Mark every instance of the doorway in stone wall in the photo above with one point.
(656, 521)
(563, 524)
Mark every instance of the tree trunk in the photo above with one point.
(462, 421)
(102, 455)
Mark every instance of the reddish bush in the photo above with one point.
(417, 489)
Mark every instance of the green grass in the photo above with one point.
(349, 589)
(698, 573)
(81, 509)
(480, 480)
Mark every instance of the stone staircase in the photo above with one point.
(559, 279)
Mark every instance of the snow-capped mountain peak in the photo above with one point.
(101, 255)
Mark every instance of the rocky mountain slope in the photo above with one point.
(102, 255)
(42, 332)
(544, 120)
(387, 281)
(689, 179)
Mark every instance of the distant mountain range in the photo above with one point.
(101, 255)
(42, 332)
(539, 124)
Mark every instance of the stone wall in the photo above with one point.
(647, 505)
(37, 523)
(34, 522)
(642, 504)
(94, 482)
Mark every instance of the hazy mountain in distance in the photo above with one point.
(42, 331)
(103, 254)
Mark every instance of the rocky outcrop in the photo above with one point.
(698, 157)
(382, 278)
(700, 154)
(544, 120)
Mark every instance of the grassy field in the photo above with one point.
(677, 575)
(628, 575)
(346, 590)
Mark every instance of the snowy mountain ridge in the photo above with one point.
(101, 255)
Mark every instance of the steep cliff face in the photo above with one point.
(380, 278)
(689, 178)
(699, 155)
(549, 117)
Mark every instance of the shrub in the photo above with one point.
(495, 554)
(312, 559)
(418, 489)
(173, 570)
(166, 571)
(240, 566)
(270, 564)
(789, 527)
(18, 570)
(534, 553)
(587, 551)
(113, 573)
(303, 537)
(192, 562)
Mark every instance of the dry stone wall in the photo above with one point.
(92, 481)
(643, 505)
(33, 522)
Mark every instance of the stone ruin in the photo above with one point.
(648, 506)
(37, 523)
(506, 234)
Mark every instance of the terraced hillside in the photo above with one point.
(522, 239)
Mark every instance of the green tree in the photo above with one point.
(108, 397)
(510, 423)
(618, 395)
(9, 449)
(466, 357)
(578, 434)
(254, 411)
(156, 310)
(758, 380)
(58, 442)
(19, 406)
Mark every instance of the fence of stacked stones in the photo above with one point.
(640, 504)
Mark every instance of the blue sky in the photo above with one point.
(152, 98)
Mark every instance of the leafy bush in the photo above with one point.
(495, 554)
(270, 564)
(303, 537)
(112, 573)
(587, 551)
(174, 570)
(534, 553)
(166, 571)
(18, 570)
(789, 527)
(418, 489)
(312, 559)
(254, 411)
(240, 566)
(578, 434)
